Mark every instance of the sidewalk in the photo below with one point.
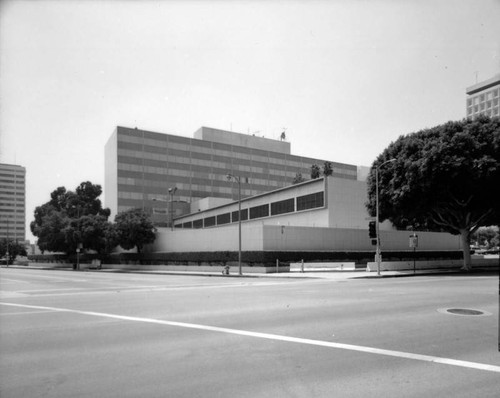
(336, 274)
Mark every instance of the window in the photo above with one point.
(198, 223)
(283, 206)
(244, 215)
(259, 211)
(311, 201)
(209, 221)
(188, 224)
(224, 218)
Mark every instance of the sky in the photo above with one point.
(344, 78)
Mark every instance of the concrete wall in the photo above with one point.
(210, 239)
(346, 200)
(243, 140)
(283, 237)
(306, 238)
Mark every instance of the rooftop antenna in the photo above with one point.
(477, 74)
(283, 135)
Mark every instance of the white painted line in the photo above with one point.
(132, 289)
(26, 313)
(320, 343)
(3, 280)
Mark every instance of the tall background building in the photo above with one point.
(12, 202)
(142, 166)
(483, 98)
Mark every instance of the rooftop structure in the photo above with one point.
(483, 98)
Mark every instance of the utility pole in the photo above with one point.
(377, 222)
(238, 180)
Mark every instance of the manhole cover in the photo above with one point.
(463, 311)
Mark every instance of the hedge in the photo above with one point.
(248, 257)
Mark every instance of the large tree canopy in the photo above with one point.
(446, 178)
(134, 228)
(70, 218)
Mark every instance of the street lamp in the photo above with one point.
(171, 191)
(377, 213)
(79, 244)
(229, 178)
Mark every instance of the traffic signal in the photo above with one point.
(372, 229)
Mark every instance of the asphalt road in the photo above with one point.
(98, 334)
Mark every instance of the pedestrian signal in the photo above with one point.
(372, 229)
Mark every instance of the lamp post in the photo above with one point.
(229, 177)
(79, 244)
(377, 227)
(171, 191)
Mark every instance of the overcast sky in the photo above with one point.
(345, 78)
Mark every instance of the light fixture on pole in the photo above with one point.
(377, 256)
(171, 191)
(230, 177)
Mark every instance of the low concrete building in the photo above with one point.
(324, 214)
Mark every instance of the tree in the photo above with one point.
(486, 236)
(298, 178)
(92, 232)
(13, 248)
(315, 171)
(443, 179)
(327, 169)
(134, 228)
(57, 223)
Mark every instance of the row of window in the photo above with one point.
(300, 203)
(489, 95)
(483, 106)
(12, 176)
(191, 145)
(12, 203)
(208, 175)
(134, 158)
(18, 194)
(159, 149)
(489, 112)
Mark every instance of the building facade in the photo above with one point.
(324, 214)
(12, 202)
(484, 98)
(166, 174)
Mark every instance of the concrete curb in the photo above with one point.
(330, 274)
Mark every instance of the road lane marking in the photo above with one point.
(276, 337)
(135, 289)
(8, 280)
(27, 312)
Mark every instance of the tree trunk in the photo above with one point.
(465, 238)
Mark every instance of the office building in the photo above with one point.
(12, 202)
(168, 175)
(484, 98)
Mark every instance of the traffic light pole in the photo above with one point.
(377, 228)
